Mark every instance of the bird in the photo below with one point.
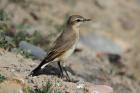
(63, 46)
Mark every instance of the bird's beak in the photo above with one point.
(87, 20)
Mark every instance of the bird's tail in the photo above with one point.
(38, 69)
(35, 72)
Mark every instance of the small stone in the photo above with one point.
(80, 86)
(30, 81)
(12, 70)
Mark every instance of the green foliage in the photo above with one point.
(20, 36)
(48, 88)
(3, 15)
(24, 53)
(2, 78)
(36, 38)
(5, 41)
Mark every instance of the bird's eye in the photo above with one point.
(78, 20)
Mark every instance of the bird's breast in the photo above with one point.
(70, 50)
(68, 53)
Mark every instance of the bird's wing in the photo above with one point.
(63, 43)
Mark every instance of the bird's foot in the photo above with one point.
(61, 75)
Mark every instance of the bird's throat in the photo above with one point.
(75, 28)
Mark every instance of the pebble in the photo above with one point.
(80, 86)
(37, 52)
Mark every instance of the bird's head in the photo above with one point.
(76, 20)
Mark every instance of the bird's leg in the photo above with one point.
(61, 69)
(68, 78)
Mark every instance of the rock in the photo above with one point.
(99, 89)
(101, 44)
(35, 51)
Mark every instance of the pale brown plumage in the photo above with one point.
(64, 44)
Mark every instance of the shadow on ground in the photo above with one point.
(53, 69)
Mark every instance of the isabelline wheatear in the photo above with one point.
(64, 45)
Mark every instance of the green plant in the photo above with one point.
(3, 15)
(2, 78)
(20, 36)
(5, 41)
(24, 52)
(48, 88)
(35, 38)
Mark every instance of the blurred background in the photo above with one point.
(108, 51)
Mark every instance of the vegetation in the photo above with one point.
(3, 15)
(48, 88)
(6, 42)
(2, 78)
